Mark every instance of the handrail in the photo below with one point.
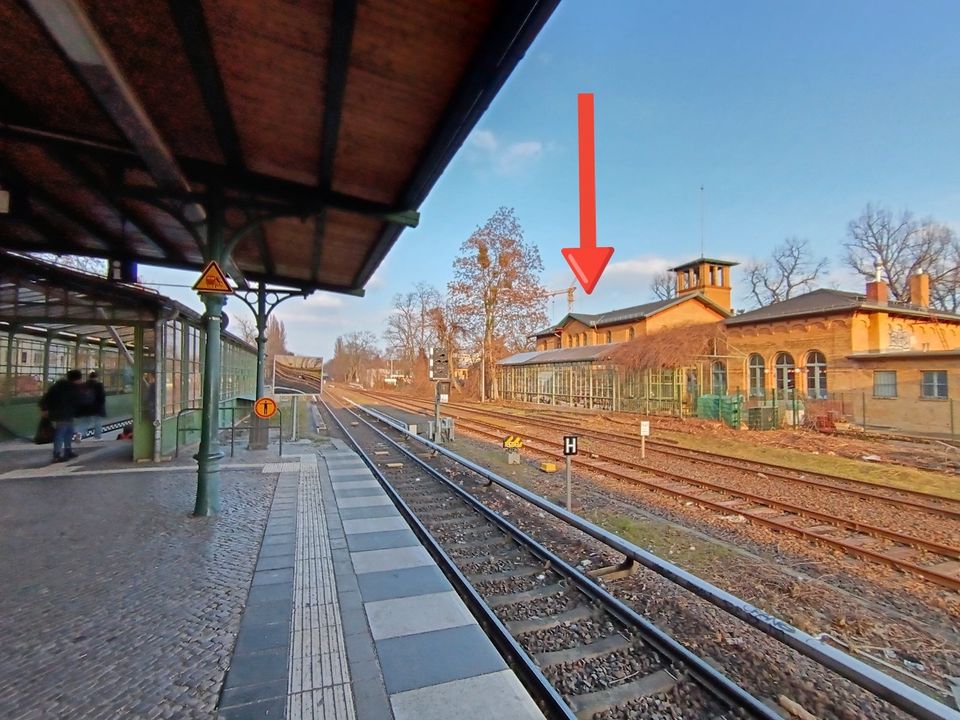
(880, 684)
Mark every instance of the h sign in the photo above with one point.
(569, 444)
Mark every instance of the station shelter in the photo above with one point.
(147, 350)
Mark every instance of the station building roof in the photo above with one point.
(124, 122)
(628, 314)
(562, 355)
(826, 301)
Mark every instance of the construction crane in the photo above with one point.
(567, 291)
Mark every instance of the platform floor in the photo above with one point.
(368, 624)
(307, 597)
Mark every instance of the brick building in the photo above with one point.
(878, 362)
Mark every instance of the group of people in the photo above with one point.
(72, 399)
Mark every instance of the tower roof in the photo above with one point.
(701, 261)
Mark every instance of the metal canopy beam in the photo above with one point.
(92, 182)
(195, 35)
(73, 32)
(257, 190)
(338, 64)
(48, 200)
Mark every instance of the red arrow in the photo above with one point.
(587, 261)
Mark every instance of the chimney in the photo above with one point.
(920, 289)
(877, 290)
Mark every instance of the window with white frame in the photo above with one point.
(885, 383)
(934, 384)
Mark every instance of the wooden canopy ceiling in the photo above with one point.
(126, 125)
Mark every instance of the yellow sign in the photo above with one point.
(212, 280)
(265, 408)
(513, 442)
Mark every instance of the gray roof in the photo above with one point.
(825, 300)
(701, 260)
(575, 354)
(613, 317)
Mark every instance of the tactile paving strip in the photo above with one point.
(319, 675)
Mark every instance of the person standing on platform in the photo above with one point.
(96, 410)
(60, 404)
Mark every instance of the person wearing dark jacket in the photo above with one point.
(94, 406)
(60, 404)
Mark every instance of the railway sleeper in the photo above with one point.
(590, 704)
(514, 556)
(588, 651)
(526, 595)
(456, 533)
(475, 545)
(519, 572)
(547, 622)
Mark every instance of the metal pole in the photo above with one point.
(569, 489)
(209, 454)
(436, 413)
(293, 431)
(643, 447)
(261, 337)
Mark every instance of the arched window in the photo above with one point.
(609, 337)
(816, 375)
(631, 334)
(719, 378)
(756, 370)
(584, 338)
(785, 368)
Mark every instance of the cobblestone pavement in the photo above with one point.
(114, 602)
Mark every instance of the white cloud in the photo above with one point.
(503, 158)
(517, 156)
(641, 267)
(483, 140)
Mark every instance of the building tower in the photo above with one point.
(710, 278)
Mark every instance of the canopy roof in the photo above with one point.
(124, 124)
(39, 295)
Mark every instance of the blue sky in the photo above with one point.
(793, 116)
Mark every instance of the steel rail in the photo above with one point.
(665, 447)
(880, 684)
(851, 525)
(530, 674)
(850, 548)
(709, 677)
(770, 469)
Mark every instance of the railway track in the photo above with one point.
(564, 422)
(934, 561)
(577, 643)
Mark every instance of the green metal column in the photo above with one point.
(46, 359)
(209, 454)
(261, 338)
(8, 384)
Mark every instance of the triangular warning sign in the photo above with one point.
(212, 280)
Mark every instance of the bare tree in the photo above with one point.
(94, 266)
(902, 246)
(790, 269)
(496, 295)
(664, 286)
(352, 354)
(246, 328)
(409, 332)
